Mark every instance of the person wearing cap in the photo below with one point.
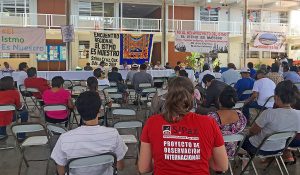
(231, 76)
(245, 83)
(134, 69)
(274, 75)
(263, 88)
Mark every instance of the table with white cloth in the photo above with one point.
(83, 75)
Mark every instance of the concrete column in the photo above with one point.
(164, 26)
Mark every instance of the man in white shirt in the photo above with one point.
(231, 76)
(205, 71)
(7, 67)
(263, 88)
(22, 75)
(124, 66)
(88, 140)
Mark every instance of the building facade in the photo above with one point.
(146, 17)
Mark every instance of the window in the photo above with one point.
(209, 14)
(250, 54)
(254, 15)
(84, 49)
(90, 8)
(14, 6)
(14, 55)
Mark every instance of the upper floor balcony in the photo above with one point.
(54, 21)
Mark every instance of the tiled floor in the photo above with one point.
(9, 161)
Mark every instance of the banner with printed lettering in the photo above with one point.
(201, 42)
(22, 40)
(268, 41)
(136, 48)
(104, 47)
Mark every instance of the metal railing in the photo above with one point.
(52, 21)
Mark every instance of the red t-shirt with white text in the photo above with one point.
(184, 147)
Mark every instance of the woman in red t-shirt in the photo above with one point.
(181, 142)
(10, 96)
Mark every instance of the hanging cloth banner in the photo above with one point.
(268, 41)
(201, 42)
(136, 48)
(104, 47)
(116, 48)
(22, 40)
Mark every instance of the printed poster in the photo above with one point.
(104, 47)
(267, 41)
(22, 40)
(201, 42)
(67, 33)
(136, 48)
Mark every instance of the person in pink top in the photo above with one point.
(57, 95)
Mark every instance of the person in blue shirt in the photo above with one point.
(291, 74)
(245, 83)
(252, 70)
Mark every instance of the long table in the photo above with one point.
(83, 75)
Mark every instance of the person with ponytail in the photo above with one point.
(230, 121)
(179, 141)
(283, 118)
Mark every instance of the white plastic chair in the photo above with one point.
(234, 138)
(37, 140)
(113, 84)
(92, 161)
(130, 138)
(35, 101)
(8, 108)
(280, 137)
(145, 85)
(239, 105)
(78, 89)
(111, 90)
(68, 84)
(121, 113)
(101, 87)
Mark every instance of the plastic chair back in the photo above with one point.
(92, 161)
(125, 112)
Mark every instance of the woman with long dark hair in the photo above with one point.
(181, 142)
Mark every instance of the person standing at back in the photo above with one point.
(168, 149)
(231, 76)
(141, 77)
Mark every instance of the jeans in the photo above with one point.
(252, 149)
(23, 115)
(247, 107)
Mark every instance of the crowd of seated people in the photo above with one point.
(215, 116)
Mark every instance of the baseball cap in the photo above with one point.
(135, 65)
(245, 70)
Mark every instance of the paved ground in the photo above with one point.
(9, 161)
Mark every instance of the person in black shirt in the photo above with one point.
(213, 91)
(88, 67)
(115, 76)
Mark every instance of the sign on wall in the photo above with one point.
(267, 41)
(67, 33)
(201, 42)
(104, 47)
(22, 40)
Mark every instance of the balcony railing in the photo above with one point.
(53, 21)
